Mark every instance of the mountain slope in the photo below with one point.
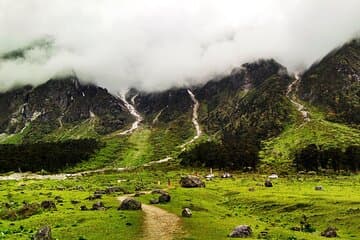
(60, 104)
(333, 84)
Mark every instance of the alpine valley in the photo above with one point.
(71, 152)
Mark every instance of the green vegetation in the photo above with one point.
(279, 152)
(47, 156)
(67, 221)
(223, 204)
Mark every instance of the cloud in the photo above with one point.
(154, 45)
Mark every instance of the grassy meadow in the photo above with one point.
(217, 208)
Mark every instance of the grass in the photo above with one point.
(217, 209)
(279, 152)
(68, 221)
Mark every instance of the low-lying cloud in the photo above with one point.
(154, 45)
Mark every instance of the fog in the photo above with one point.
(154, 45)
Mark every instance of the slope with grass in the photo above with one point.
(279, 152)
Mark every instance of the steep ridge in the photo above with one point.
(333, 84)
(255, 109)
(60, 103)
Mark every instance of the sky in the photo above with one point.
(158, 44)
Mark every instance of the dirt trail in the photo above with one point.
(289, 94)
(158, 223)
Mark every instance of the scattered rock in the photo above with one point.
(98, 206)
(311, 173)
(99, 192)
(94, 197)
(164, 198)
(226, 175)
(115, 190)
(241, 231)
(191, 182)
(330, 232)
(43, 233)
(57, 198)
(268, 183)
(130, 204)
(27, 210)
(319, 188)
(186, 212)
(297, 229)
(48, 204)
(263, 234)
(83, 208)
(273, 176)
(209, 177)
(158, 191)
(138, 194)
(154, 201)
(74, 202)
(251, 189)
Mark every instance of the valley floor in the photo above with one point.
(217, 208)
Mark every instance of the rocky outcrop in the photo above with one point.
(330, 232)
(186, 212)
(43, 233)
(130, 204)
(48, 205)
(59, 102)
(191, 182)
(268, 183)
(241, 231)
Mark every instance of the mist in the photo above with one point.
(155, 45)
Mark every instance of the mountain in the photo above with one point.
(62, 103)
(333, 84)
(257, 117)
(252, 96)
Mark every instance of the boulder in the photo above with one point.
(99, 192)
(159, 191)
(273, 176)
(43, 233)
(186, 212)
(226, 175)
(83, 208)
(330, 232)
(268, 183)
(48, 204)
(130, 204)
(319, 188)
(241, 231)
(154, 201)
(114, 190)
(98, 206)
(95, 196)
(164, 198)
(191, 182)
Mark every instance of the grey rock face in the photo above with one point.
(186, 212)
(191, 182)
(43, 233)
(241, 231)
(130, 204)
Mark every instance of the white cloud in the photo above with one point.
(161, 43)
